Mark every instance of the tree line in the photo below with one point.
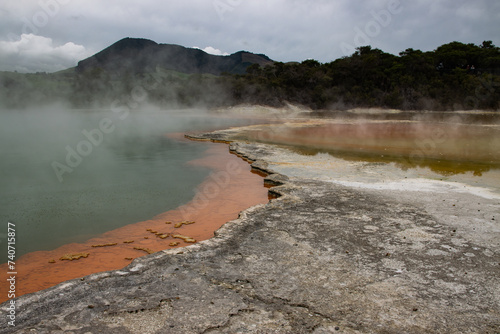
(455, 76)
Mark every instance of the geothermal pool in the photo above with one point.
(444, 147)
(62, 182)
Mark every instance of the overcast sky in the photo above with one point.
(50, 35)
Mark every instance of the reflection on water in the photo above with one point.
(442, 167)
(445, 148)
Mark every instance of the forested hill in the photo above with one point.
(455, 76)
(136, 55)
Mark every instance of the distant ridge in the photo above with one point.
(138, 55)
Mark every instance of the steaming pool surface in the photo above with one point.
(445, 148)
(130, 174)
(136, 172)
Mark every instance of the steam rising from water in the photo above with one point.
(448, 143)
(134, 173)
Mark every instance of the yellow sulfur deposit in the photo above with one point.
(75, 256)
(105, 245)
(147, 250)
(185, 238)
(186, 222)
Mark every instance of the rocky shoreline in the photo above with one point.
(323, 257)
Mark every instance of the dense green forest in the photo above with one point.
(455, 76)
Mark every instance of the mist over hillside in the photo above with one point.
(132, 72)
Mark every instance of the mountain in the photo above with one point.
(142, 55)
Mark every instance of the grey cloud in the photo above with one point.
(285, 30)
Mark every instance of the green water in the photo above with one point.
(129, 174)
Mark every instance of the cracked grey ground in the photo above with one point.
(323, 258)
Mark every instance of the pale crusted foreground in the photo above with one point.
(323, 258)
